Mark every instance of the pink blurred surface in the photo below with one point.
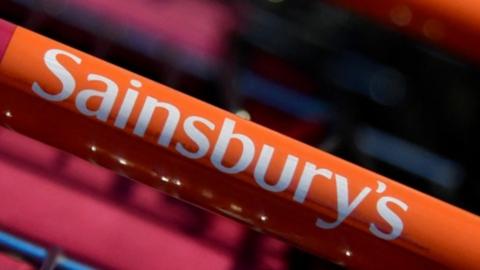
(6, 30)
(55, 199)
(9, 263)
(197, 26)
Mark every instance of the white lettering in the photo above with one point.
(65, 77)
(108, 98)
(226, 135)
(146, 115)
(127, 105)
(197, 136)
(344, 209)
(309, 172)
(261, 169)
(390, 217)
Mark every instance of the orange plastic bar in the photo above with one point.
(452, 24)
(218, 161)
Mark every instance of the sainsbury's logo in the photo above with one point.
(217, 140)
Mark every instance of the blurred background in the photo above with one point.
(390, 86)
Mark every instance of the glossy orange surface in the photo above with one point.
(327, 206)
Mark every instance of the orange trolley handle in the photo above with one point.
(218, 161)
